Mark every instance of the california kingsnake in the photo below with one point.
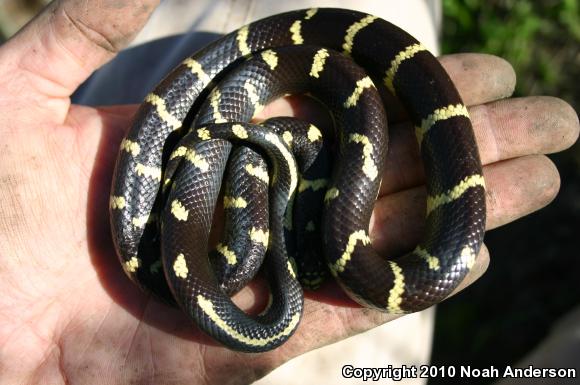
(169, 171)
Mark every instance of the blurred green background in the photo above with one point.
(532, 279)
(540, 38)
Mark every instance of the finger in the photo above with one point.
(480, 78)
(514, 188)
(63, 45)
(505, 129)
(523, 126)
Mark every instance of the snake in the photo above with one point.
(196, 130)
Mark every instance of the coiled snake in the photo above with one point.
(195, 123)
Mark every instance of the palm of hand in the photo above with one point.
(67, 304)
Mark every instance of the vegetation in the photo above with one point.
(540, 38)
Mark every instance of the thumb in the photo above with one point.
(65, 43)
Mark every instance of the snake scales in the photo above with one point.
(194, 126)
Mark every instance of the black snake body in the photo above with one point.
(168, 175)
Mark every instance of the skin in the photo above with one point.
(67, 312)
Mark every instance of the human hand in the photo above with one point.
(68, 313)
